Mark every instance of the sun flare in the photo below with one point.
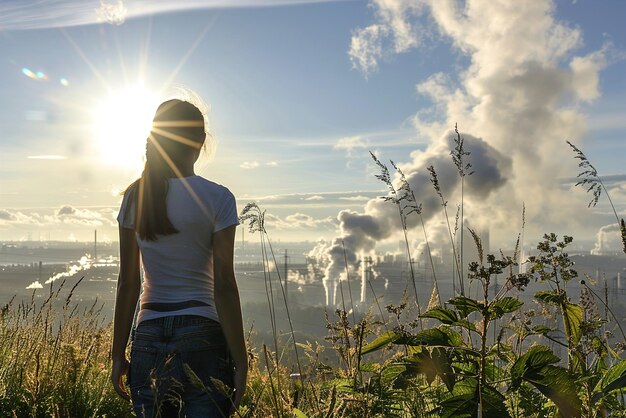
(122, 123)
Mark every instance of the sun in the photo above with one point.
(121, 125)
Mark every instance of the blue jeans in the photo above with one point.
(180, 366)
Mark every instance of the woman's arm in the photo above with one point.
(228, 306)
(128, 288)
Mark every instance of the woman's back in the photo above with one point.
(179, 267)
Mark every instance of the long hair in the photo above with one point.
(177, 133)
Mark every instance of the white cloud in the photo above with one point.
(358, 198)
(65, 215)
(299, 221)
(248, 165)
(395, 32)
(314, 197)
(352, 142)
(86, 217)
(272, 164)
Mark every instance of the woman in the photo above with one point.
(189, 329)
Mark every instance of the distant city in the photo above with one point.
(33, 268)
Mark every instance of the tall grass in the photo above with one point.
(54, 359)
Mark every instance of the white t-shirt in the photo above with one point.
(179, 267)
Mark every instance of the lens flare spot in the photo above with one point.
(64, 82)
(38, 75)
(28, 73)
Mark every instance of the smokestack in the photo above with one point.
(286, 278)
(363, 279)
(330, 287)
(95, 246)
(366, 275)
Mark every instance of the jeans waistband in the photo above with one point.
(173, 306)
(163, 328)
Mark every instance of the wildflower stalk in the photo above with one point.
(589, 178)
(397, 200)
(435, 182)
(411, 206)
(458, 157)
(256, 218)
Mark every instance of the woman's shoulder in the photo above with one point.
(131, 189)
(212, 186)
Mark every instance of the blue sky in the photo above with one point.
(293, 113)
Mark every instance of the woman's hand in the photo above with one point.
(119, 371)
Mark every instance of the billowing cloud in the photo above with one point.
(608, 240)
(5, 215)
(66, 210)
(83, 264)
(515, 102)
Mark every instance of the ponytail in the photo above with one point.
(166, 146)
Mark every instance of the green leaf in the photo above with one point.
(380, 342)
(533, 360)
(466, 306)
(342, 385)
(369, 367)
(298, 414)
(459, 406)
(537, 368)
(560, 387)
(573, 318)
(493, 403)
(551, 297)
(614, 378)
(442, 336)
(437, 363)
(466, 402)
(541, 329)
(447, 316)
(392, 371)
(442, 362)
(505, 305)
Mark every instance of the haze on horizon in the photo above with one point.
(300, 92)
